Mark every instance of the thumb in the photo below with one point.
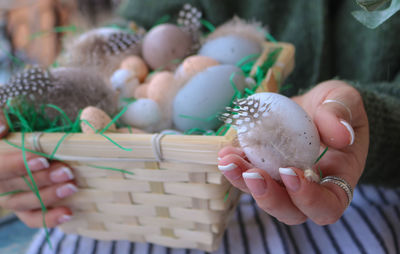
(3, 125)
(334, 121)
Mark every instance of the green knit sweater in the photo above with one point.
(329, 43)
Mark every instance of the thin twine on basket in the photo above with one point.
(156, 146)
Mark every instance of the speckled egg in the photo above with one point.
(164, 45)
(194, 64)
(97, 118)
(275, 132)
(143, 114)
(230, 49)
(205, 96)
(137, 66)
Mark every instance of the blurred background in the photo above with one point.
(31, 32)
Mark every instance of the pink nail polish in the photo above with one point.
(64, 218)
(290, 179)
(37, 164)
(66, 190)
(60, 175)
(255, 182)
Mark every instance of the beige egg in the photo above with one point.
(141, 91)
(164, 45)
(194, 64)
(130, 130)
(137, 66)
(159, 86)
(97, 118)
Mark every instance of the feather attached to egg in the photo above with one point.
(275, 132)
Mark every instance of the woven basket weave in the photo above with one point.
(176, 196)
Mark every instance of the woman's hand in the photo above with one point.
(54, 181)
(338, 112)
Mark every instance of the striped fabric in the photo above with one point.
(370, 225)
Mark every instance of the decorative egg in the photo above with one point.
(205, 96)
(230, 49)
(137, 66)
(160, 86)
(125, 82)
(97, 118)
(143, 114)
(275, 132)
(171, 132)
(164, 45)
(141, 91)
(194, 64)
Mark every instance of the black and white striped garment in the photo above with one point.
(370, 225)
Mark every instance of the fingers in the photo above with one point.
(28, 200)
(53, 217)
(12, 164)
(272, 197)
(337, 110)
(3, 125)
(231, 150)
(232, 166)
(57, 173)
(323, 204)
(334, 117)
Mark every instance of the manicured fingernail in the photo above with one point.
(60, 175)
(64, 218)
(255, 182)
(219, 158)
(37, 164)
(228, 167)
(2, 128)
(350, 129)
(290, 179)
(66, 190)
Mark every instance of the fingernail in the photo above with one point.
(290, 179)
(255, 182)
(38, 164)
(228, 167)
(219, 158)
(60, 175)
(64, 218)
(66, 190)
(350, 129)
(2, 128)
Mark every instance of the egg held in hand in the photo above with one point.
(275, 132)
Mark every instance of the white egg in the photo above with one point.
(143, 113)
(125, 82)
(275, 132)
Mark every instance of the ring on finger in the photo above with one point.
(343, 184)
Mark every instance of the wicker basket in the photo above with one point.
(178, 201)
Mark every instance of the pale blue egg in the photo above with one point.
(230, 49)
(200, 102)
